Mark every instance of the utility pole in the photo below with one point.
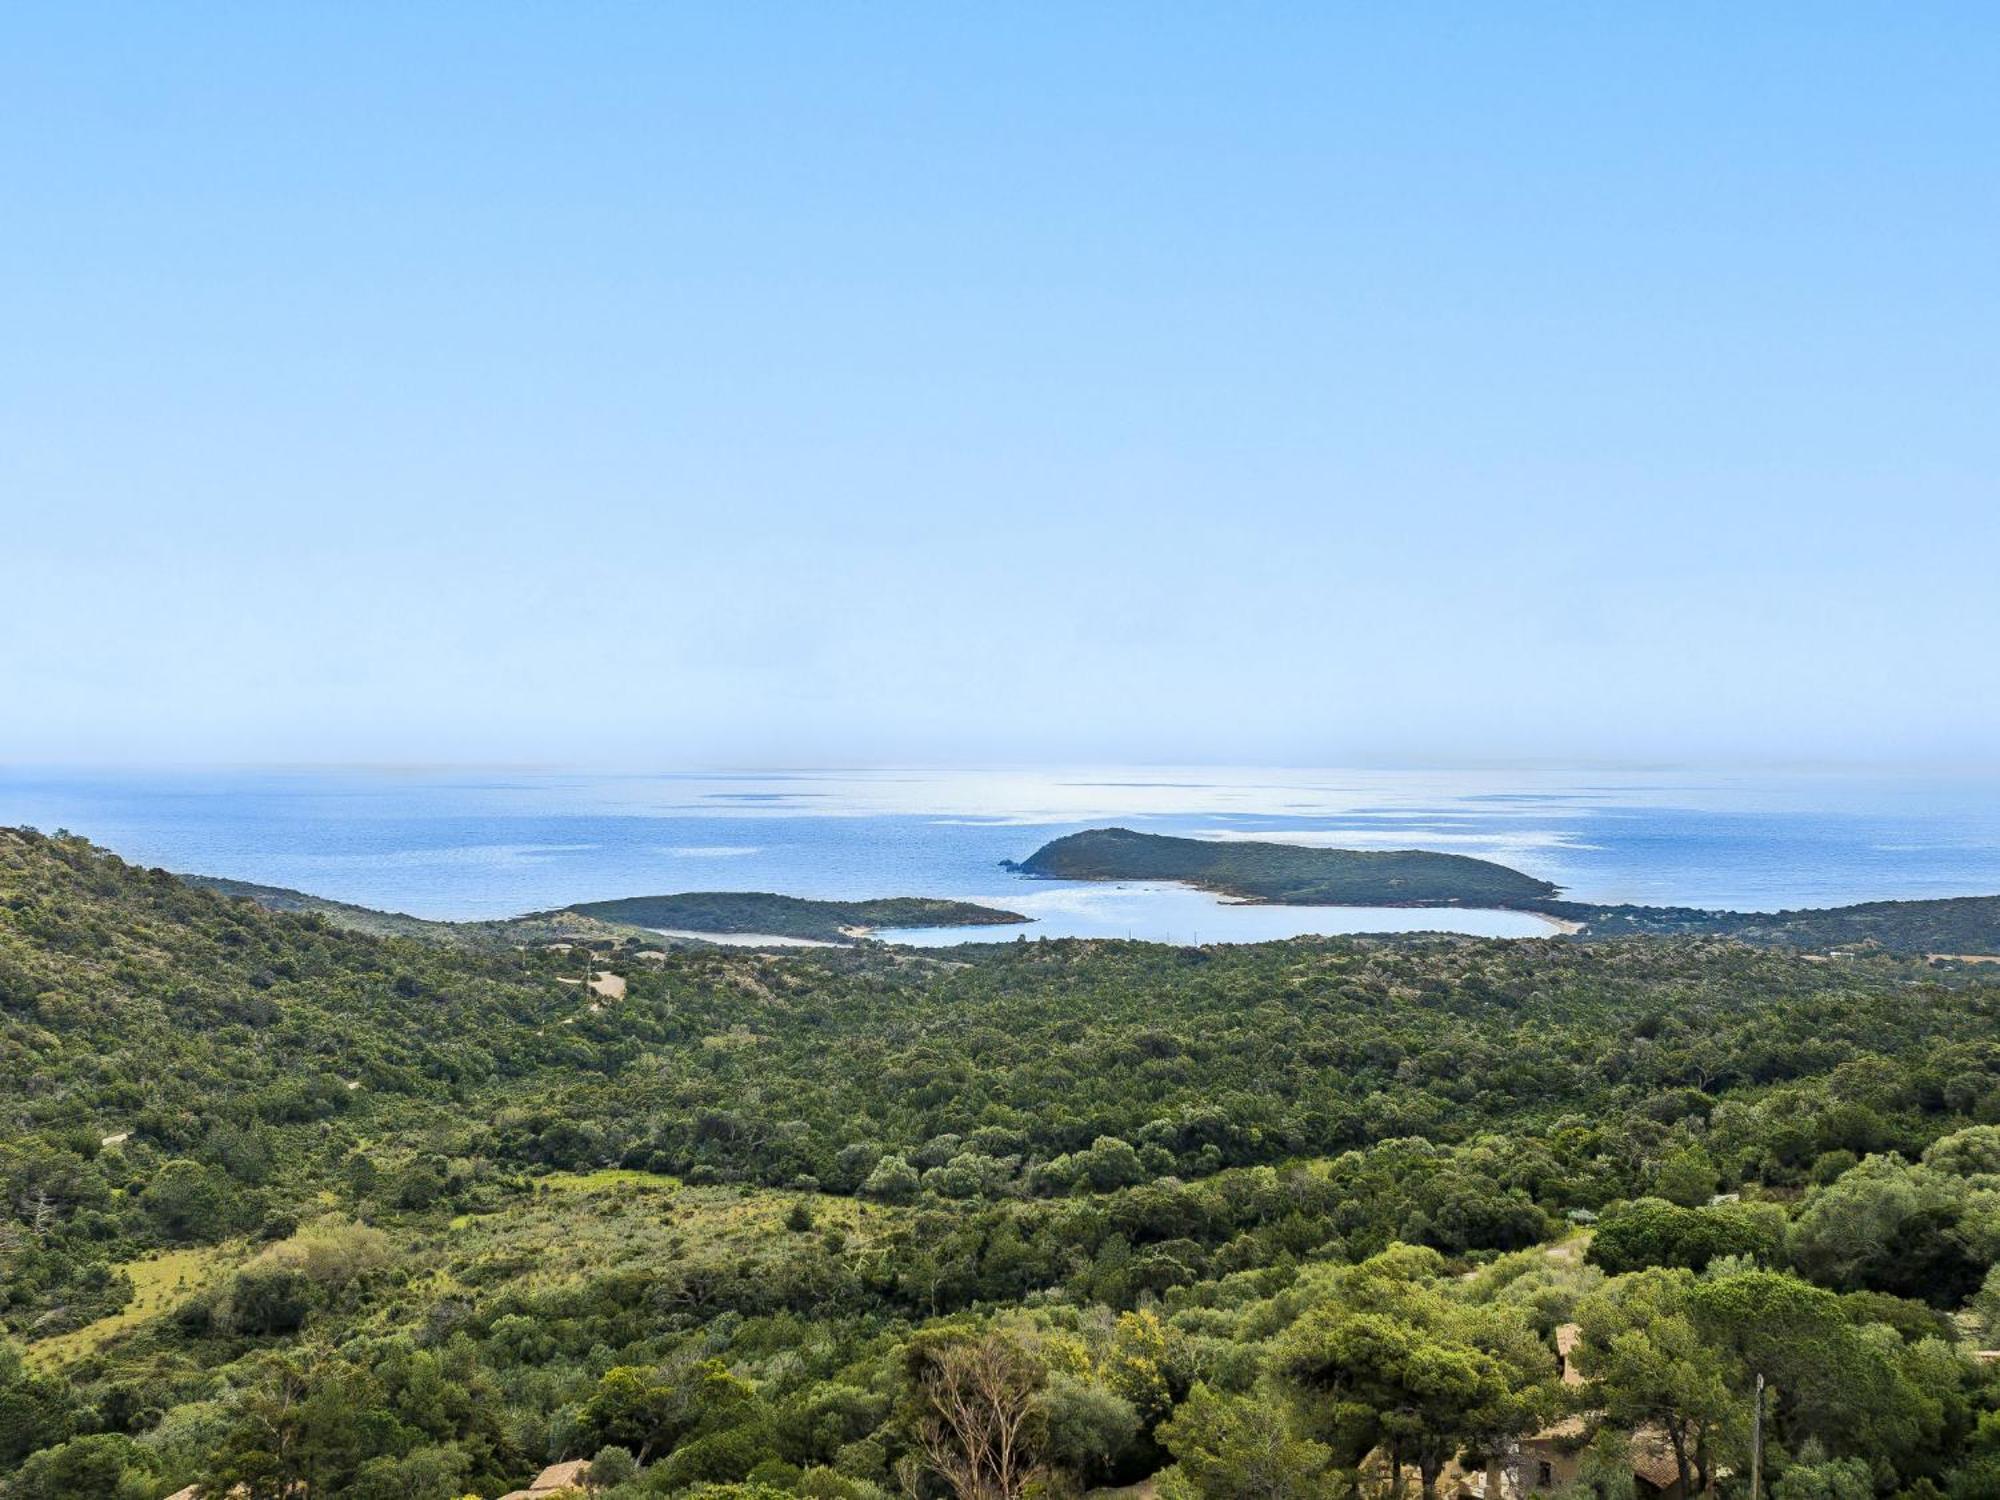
(1757, 1443)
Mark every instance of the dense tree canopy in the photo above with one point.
(323, 1213)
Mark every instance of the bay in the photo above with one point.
(463, 844)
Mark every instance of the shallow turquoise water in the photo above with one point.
(1171, 913)
(463, 844)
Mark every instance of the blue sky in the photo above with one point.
(663, 385)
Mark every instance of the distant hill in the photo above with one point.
(1289, 874)
(634, 916)
(538, 927)
(1952, 925)
(790, 916)
(1278, 874)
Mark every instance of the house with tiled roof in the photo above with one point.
(570, 1478)
(1552, 1459)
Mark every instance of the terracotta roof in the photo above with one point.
(1653, 1457)
(556, 1478)
(1651, 1451)
(563, 1476)
(1567, 1338)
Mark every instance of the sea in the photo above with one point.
(461, 844)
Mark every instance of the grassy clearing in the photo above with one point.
(160, 1283)
(610, 1177)
(605, 1221)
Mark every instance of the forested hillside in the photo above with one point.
(323, 1213)
(506, 932)
(1949, 926)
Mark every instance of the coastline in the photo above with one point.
(745, 939)
(1223, 896)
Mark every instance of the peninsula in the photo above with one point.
(1296, 875)
(1289, 874)
(687, 912)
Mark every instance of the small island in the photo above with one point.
(1966, 927)
(1958, 927)
(1289, 874)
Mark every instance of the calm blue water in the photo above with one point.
(458, 844)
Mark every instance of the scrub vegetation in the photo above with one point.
(320, 1212)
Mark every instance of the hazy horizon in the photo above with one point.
(1917, 768)
(461, 844)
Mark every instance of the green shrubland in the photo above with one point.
(323, 1212)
